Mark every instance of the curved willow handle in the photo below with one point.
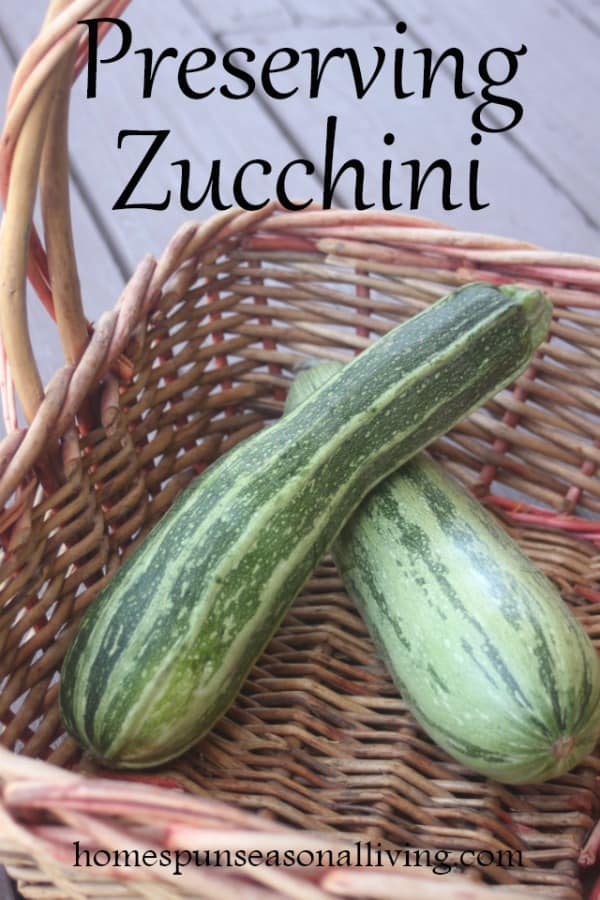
(56, 213)
(33, 147)
(14, 247)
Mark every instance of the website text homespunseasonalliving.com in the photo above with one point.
(363, 854)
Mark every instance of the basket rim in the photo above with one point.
(352, 237)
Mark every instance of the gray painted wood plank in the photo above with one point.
(334, 12)
(589, 17)
(201, 131)
(526, 202)
(7, 887)
(588, 14)
(236, 17)
(269, 16)
(558, 83)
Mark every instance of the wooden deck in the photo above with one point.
(540, 178)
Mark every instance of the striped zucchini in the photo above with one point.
(488, 657)
(163, 651)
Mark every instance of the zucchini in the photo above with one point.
(489, 659)
(164, 649)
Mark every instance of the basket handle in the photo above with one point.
(33, 152)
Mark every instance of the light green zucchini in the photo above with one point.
(487, 655)
(165, 648)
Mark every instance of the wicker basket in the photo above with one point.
(319, 751)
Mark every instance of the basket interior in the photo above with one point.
(319, 737)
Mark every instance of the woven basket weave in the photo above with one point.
(318, 751)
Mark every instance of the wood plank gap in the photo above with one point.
(295, 18)
(6, 46)
(581, 16)
(512, 138)
(117, 256)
